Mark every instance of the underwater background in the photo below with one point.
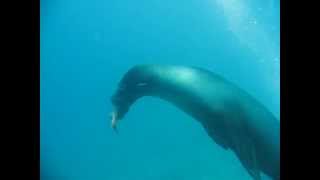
(87, 45)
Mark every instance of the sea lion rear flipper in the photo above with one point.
(247, 155)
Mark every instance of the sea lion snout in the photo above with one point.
(120, 108)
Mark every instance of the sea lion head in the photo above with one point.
(137, 82)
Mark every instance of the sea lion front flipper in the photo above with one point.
(217, 139)
(246, 152)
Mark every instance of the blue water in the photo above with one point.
(86, 47)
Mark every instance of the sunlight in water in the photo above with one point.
(244, 24)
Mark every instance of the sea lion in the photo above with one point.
(230, 116)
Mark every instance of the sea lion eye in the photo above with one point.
(141, 84)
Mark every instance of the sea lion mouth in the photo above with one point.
(118, 110)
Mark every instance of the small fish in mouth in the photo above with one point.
(113, 116)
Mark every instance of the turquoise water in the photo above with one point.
(86, 47)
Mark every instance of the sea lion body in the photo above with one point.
(230, 116)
